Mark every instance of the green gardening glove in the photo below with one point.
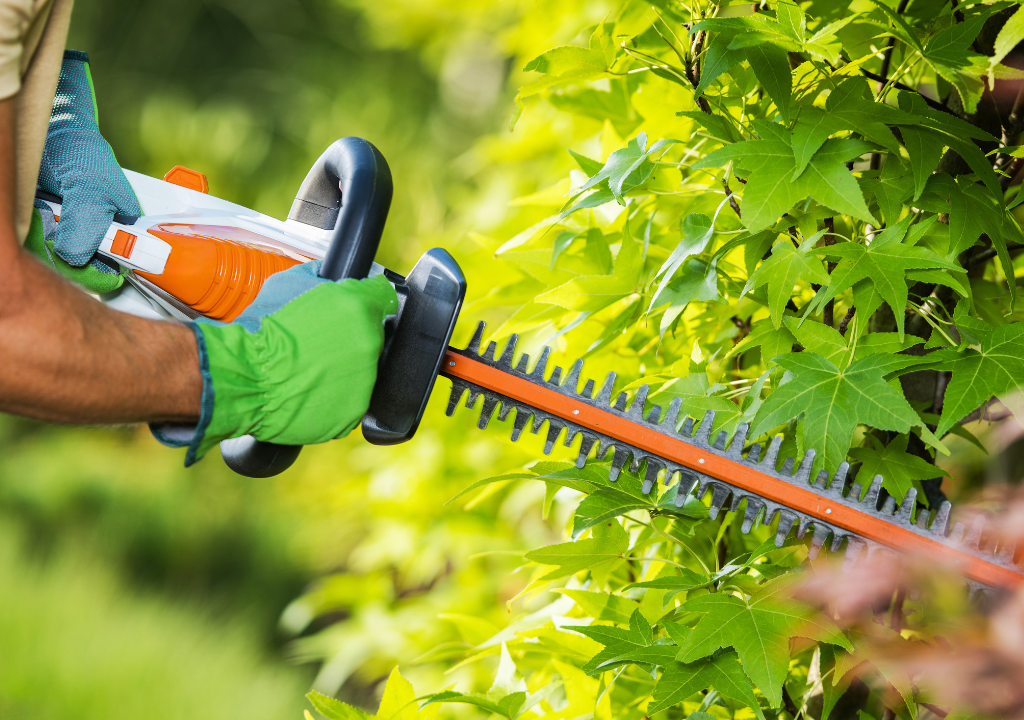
(296, 368)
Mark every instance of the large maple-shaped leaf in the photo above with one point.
(759, 628)
(774, 186)
(782, 270)
(994, 369)
(899, 469)
(623, 646)
(833, 402)
(721, 672)
(885, 262)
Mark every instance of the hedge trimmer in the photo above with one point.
(193, 254)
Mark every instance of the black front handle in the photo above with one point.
(349, 190)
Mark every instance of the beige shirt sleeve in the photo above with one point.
(43, 53)
(32, 38)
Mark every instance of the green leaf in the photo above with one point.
(772, 189)
(507, 706)
(811, 130)
(722, 672)
(759, 628)
(697, 230)
(833, 402)
(925, 148)
(684, 580)
(697, 281)
(900, 470)
(783, 269)
(770, 64)
(572, 557)
(604, 606)
(772, 341)
(590, 167)
(605, 504)
(994, 369)
(591, 293)
(1010, 35)
(718, 59)
(884, 263)
(334, 709)
(568, 63)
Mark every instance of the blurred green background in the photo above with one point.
(130, 587)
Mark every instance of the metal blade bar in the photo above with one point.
(652, 440)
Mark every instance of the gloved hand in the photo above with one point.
(296, 368)
(79, 167)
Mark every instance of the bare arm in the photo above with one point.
(66, 357)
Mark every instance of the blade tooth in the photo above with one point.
(786, 520)
(556, 377)
(588, 390)
(458, 390)
(634, 465)
(957, 535)
(802, 526)
(940, 525)
(604, 395)
(890, 506)
(922, 518)
(671, 420)
(554, 430)
(821, 533)
(652, 417)
(754, 506)
(703, 484)
(854, 549)
(651, 474)
(787, 467)
(492, 348)
(838, 483)
(738, 439)
(704, 431)
(620, 402)
(524, 364)
(538, 422)
(907, 508)
(687, 481)
(770, 513)
(821, 482)
(571, 432)
(506, 408)
(855, 492)
(586, 445)
(721, 440)
(519, 424)
(718, 498)
(542, 364)
(572, 379)
(771, 457)
(737, 499)
(803, 475)
(755, 454)
(837, 541)
(473, 395)
(618, 462)
(973, 540)
(636, 409)
(474, 342)
(687, 429)
(871, 499)
(505, 359)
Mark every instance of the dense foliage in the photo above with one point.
(798, 216)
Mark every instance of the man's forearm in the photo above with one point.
(66, 357)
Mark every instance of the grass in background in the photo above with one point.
(76, 641)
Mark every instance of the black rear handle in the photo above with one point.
(349, 190)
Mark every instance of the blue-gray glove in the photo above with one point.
(79, 166)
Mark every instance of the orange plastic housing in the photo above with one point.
(218, 270)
